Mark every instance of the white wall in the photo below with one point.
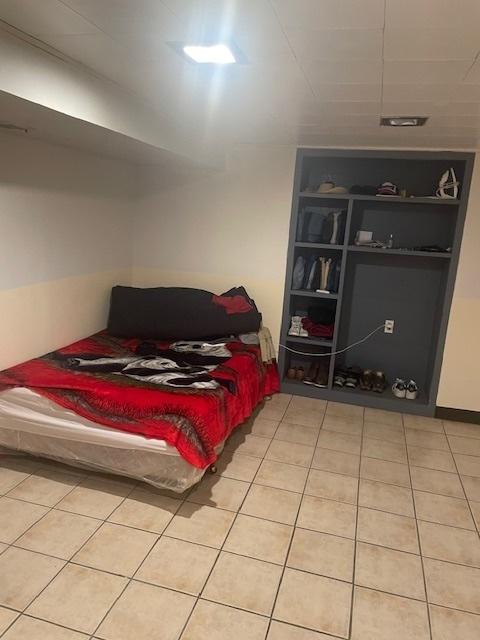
(221, 229)
(231, 228)
(65, 239)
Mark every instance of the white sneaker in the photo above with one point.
(411, 390)
(399, 388)
(296, 326)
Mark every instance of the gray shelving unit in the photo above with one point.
(412, 287)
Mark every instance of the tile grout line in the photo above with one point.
(199, 595)
(427, 604)
(294, 527)
(355, 544)
(462, 485)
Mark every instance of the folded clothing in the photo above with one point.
(233, 304)
(317, 330)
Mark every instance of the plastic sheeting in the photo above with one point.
(33, 424)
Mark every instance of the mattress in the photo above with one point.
(32, 423)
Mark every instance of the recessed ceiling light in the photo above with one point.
(403, 121)
(210, 54)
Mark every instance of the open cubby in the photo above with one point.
(410, 282)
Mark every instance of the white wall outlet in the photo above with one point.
(389, 325)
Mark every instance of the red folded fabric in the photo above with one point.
(233, 304)
(317, 330)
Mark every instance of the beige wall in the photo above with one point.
(222, 229)
(232, 228)
(458, 382)
(65, 239)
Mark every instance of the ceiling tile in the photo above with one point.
(98, 52)
(45, 17)
(422, 72)
(427, 108)
(336, 44)
(331, 14)
(466, 93)
(431, 14)
(431, 44)
(126, 17)
(473, 75)
(331, 121)
(339, 71)
(347, 92)
(417, 92)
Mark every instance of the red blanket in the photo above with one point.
(194, 421)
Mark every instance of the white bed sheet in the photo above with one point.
(34, 424)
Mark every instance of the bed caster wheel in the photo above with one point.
(213, 468)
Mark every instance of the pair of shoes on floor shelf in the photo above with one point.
(366, 379)
(403, 389)
(317, 374)
(296, 373)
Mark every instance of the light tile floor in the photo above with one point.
(322, 522)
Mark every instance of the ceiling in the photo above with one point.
(319, 72)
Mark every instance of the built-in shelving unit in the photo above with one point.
(403, 283)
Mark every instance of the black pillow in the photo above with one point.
(176, 313)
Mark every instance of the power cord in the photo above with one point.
(333, 353)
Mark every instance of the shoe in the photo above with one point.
(322, 376)
(366, 380)
(340, 378)
(312, 373)
(300, 375)
(295, 326)
(379, 382)
(353, 377)
(412, 390)
(292, 373)
(399, 388)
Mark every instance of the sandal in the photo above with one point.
(379, 382)
(366, 380)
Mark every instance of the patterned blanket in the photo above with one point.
(176, 393)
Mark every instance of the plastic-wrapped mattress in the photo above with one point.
(32, 423)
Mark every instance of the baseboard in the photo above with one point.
(457, 415)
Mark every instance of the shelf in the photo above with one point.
(400, 252)
(319, 245)
(386, 400)
(317, 342)
(354, 196)
(313, 294)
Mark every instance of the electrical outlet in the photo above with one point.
(389, 325)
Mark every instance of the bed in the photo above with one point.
(103, 404)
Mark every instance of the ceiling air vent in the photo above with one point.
(403, 121)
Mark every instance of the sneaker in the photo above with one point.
(295, 326)
(399, 388)
(411, 390)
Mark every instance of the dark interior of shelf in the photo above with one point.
(379, 288)
(412, 226)
(419, 176)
